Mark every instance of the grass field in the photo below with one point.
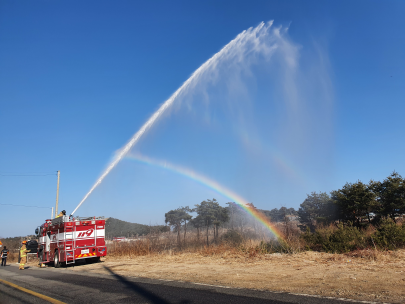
(254, 261)
(362, 275)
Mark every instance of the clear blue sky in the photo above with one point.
(79, 78)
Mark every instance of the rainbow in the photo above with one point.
(239, 200)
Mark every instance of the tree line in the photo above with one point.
(356, 203)
(209, 215)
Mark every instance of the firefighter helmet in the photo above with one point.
(64, 212)
(24, 242)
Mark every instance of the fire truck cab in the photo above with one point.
(66, 239)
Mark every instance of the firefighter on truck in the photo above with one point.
(62, 213)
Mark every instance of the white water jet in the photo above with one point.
(253, 40)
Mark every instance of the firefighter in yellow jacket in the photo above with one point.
(23, 255)
(62, 213)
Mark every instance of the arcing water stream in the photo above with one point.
(253, 40)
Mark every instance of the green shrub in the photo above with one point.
(232, 237)
(275, 246)
(336, 240)
(345, 239)
(316, 240)
(389, 235)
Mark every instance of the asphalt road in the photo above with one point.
(76, 287)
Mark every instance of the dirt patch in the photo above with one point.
(365, 275)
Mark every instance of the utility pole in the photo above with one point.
(57, 196)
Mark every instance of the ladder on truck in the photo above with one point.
(70, 242)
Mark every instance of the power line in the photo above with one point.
(28, 174)
(25, 206)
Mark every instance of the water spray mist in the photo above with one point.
(251, 40)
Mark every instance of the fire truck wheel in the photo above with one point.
(95, 260)
(56, 260)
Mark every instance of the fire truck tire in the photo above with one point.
(56, 262)
(92, 260)
(95, 260)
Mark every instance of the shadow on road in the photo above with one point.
(138, 289)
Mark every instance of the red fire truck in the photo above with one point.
(66, 239)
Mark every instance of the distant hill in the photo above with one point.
(116, 228)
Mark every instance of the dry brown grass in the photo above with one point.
(164, 247)
(361, 275)
(250, 242)
(367, 274)
(12, 257)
